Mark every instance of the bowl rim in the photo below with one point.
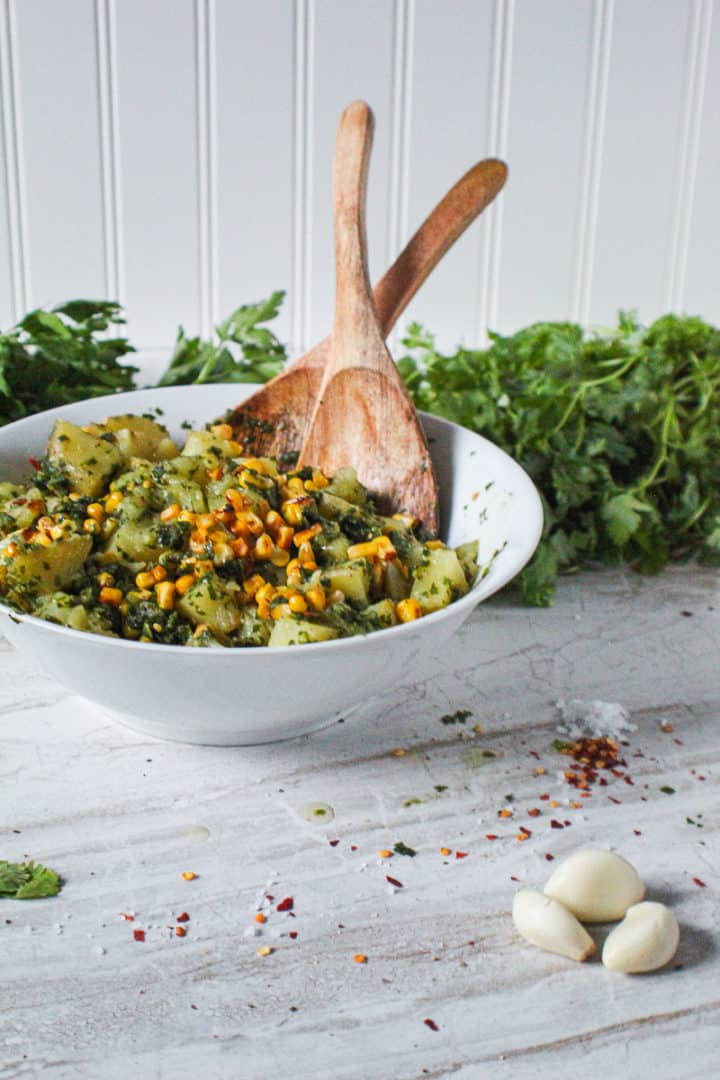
(464, 604)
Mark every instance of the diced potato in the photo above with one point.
(290, 631)
(186, 468)
(353, 578)
(208, 446)
(38, 569)
(467, 554)
(439, 580)
(345, 485)
(395, 584)
(210, 602)
(186, 493)
(384, 612)
(9, 491)
(88, 460)
(139, 436)
(63, 609)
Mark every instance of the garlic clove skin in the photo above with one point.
(596, 885)
(645, 940)
(544, 922)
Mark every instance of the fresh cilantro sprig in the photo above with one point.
(245, 352)
(27, 881)
(55, 357)
(620, 430)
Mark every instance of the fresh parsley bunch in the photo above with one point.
(246, 351)
(620, 431)
(55, 357)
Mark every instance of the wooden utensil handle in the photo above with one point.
(437, 234)
(355, 312)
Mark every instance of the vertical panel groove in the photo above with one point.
(498, 120)
(596, 107)
(108, 120)
(689, 150)
(14, 162)
(206, 121)
(400, 129)
(303, 62)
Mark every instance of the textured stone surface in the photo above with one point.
(121, 817)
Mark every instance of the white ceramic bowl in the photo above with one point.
(230, 697)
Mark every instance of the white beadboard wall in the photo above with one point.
(176, 154)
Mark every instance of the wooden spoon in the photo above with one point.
(364, 416)
(273, 421)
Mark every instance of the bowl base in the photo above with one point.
(163, 731)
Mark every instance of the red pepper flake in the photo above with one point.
(544, 797)
(555, 824)
(293, 934)
(678, 742)
(184, 917)
(286, 904)
(394, 881)
(629, 781)
(637, 832)
(702, 778)
(333, 843)
(701, 884)
(533, 812)
(180, 931)
(139, 935)
(431, 1024)
(360, 958)
(128, 918)
(618, 802)
(35, 463)
(461, 854)
(269, 896)
(490, 836)
(353, 847)
(667, 728)
(549, 857)
(513, 878)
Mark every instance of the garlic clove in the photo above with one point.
(645, 940)
(544, 922)
(596, 885)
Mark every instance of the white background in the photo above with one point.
(176, 154)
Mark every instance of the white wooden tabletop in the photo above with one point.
(121, 817)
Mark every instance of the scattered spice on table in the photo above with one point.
(445, 851)
(458, 717)
(430, 1023)
(701, 884)
(286, 904)
(265, 950)
(385, 853)
(188, 875)
(360, 958)
(461, 854)
(394, 882)
(402, 849)
(667, 790)
(184, 917)
(180, 931)
(139, 935)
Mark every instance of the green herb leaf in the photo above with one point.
(403, 849)
(27, 881)
(667, 790)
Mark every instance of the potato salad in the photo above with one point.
(119, 531)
